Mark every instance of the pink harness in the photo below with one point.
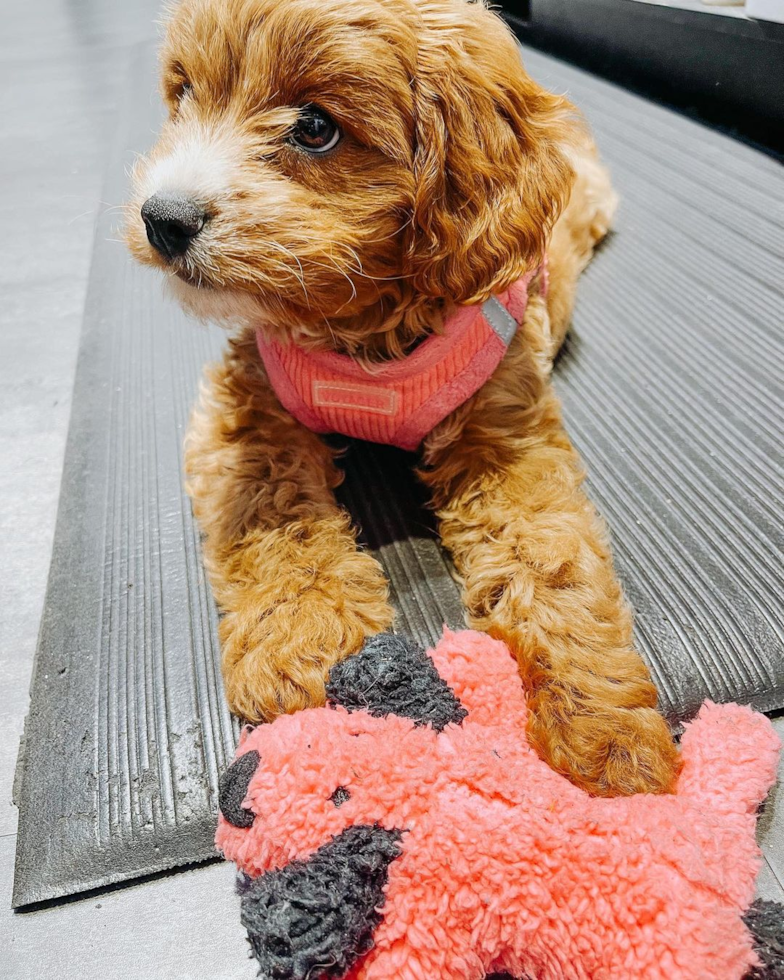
(401, 402)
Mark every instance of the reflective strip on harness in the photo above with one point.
(401, 401)
(500, 319)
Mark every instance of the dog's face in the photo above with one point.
(325, 160)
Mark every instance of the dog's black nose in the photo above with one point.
(172, 223)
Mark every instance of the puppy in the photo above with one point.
(356, 177)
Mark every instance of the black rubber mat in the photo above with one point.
(670, 383)
(128, 730)
(672, 386)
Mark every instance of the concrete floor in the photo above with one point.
(62, 68)
(61, 73)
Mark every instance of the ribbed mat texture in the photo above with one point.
(672, 387)
(671, 384)
(128, 730)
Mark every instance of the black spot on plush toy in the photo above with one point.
(317, 917)
(408, 831)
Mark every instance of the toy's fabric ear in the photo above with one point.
(490, 168)
(317, 917)
(730, 757)
(483, 673)
(392, 676)
(234, 788)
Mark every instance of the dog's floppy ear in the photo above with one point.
(392, 676)
(490, 173)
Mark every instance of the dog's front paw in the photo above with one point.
(277, 660)
(608, 752)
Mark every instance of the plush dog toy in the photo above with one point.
(409, 832)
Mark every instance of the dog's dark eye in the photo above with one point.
(177, 83)
(182, 91)
(314, 131)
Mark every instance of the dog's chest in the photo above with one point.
(400, 403)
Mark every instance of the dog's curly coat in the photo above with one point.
(455, 173)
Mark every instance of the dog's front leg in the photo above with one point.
(295, 593)
(537, 572)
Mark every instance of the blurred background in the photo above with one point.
(719, 60)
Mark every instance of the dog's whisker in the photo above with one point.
(84, 214)
(349, 280)
(301, 276)
(360, 271)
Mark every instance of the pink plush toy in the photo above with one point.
(409, 832)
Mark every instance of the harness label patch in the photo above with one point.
(355, 397)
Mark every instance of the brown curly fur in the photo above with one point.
(454, 174)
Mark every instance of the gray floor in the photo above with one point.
(61, 65)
